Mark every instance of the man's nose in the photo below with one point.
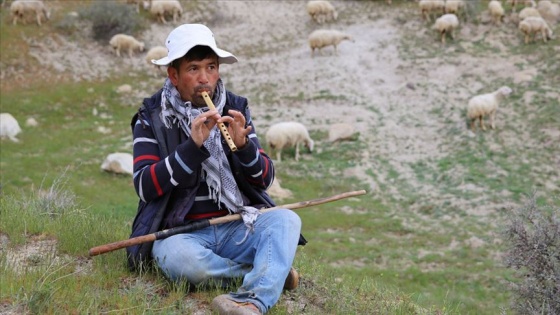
(203, 77)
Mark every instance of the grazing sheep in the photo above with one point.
(445, 24)
(454, 6)
(118, 163)
(276, 191)
(9, 127)
(156, 52)
(497, 12)
(342, 132)
(122, 42)
(322, 38)
(427, 7)
(159, 8)
(549, 11)
(19, 9)
(321, 11)
(486, 105)
(288, 134)
(533, 25)
(526, 12)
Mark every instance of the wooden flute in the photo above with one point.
(221, 126)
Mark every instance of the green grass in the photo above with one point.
(67, 140)
(381, 253)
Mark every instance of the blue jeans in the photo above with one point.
(213, 255)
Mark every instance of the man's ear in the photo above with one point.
(173, 74)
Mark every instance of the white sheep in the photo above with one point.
(276, 191)
(534, 25)
(496, 10)
(20, 9)
(323, 38)
(9, 127)
(288, 134)
(455, 6)
(118, 163)
(528, 11)
(160, 8)
(549, 11)
(445, 24)
(486, 105)
(321, 11)
(156, 52)
(123, 42)
(427, 7)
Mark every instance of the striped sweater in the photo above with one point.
(179, 173)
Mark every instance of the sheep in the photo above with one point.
(276, 191)
(288, 134)
(321, 11)
(156, 52)
(486, 105)
(159, 8)
(544, 5)
(526, 12)
(455, 6)
(496, 11)
(534, 25)
(122, 42)
(323, 37)
(9, 127)
(549, 11)
(19, 9)
(118, 163)
(445, 24)
(431, 6)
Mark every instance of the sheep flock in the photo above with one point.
(534, 20)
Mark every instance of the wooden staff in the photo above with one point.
(221, 126)
(102, 249)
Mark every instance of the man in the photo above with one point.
(185, 172)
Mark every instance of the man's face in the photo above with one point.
(194, 77)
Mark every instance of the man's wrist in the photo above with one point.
(244, 144)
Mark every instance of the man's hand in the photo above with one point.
(202, 125)
(236, 127)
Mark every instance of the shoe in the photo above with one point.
(292, 280)
(224, 305)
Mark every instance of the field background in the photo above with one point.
(428, 232)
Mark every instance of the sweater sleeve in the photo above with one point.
(155, 175)
(256, 165)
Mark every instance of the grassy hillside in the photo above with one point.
(426, 240)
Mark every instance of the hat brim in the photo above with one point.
(223, 57)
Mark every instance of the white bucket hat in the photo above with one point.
(185, 37)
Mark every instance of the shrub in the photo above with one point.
(533, 236)
(110, 18)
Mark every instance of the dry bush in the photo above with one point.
(110, 18)
(533, 236)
